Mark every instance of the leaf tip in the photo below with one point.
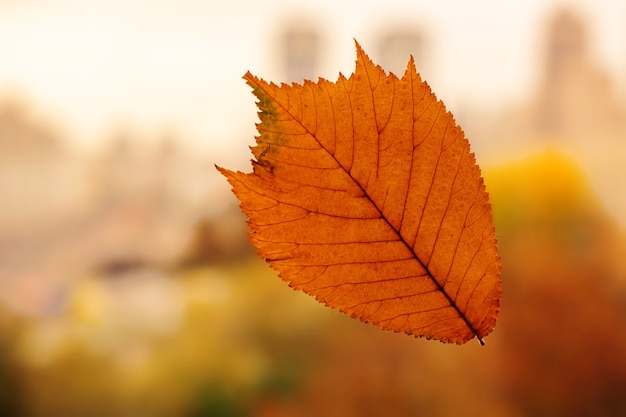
(410, 67)
(361, 56)
(250, 78)
(225, 172)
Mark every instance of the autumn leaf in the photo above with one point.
(365, 195)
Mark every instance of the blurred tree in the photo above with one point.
(563, 322)
(10, 389)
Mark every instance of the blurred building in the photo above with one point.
(33, 172)
(576, 98)
(396, 44)
(301, 49)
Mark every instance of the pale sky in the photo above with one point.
(96, 66)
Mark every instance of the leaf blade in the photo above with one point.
(370, 177)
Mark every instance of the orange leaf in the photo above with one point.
(364, 194)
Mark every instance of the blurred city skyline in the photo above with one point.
(92, 73)
(144, 195)
(93, 68)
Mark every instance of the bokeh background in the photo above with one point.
(128, 286)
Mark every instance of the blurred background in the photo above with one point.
(128, 286)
